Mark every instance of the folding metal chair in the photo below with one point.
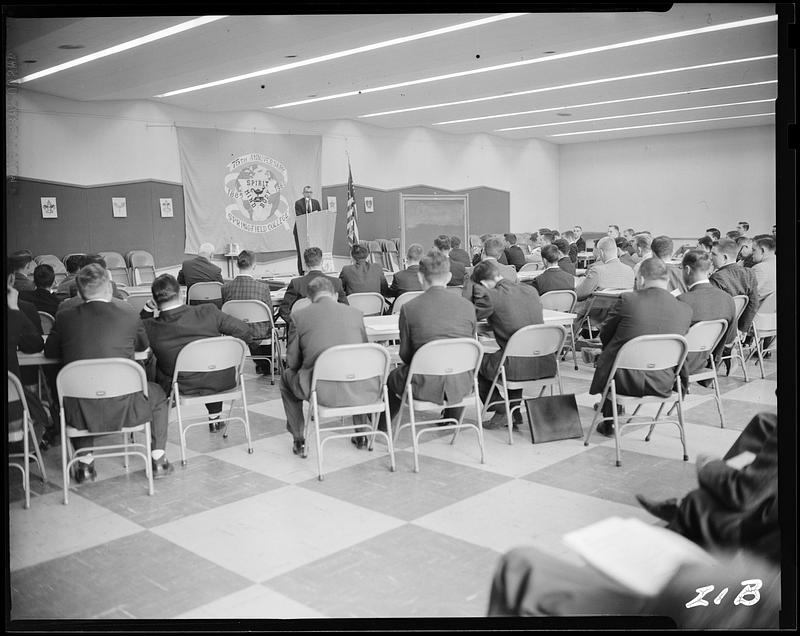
(28, 438)
(208, 291)
(117, 266)
(765, 325)
(143, 267)
(255, 311)
(402, 299)
(735, 347)
(530, 267)
(47, 322)
(562, 300)
(369, 303)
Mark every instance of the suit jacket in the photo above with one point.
(581, 244)
(458, 273)
(433, 315)
(76, 301)
(515, 256)
(22, 335)
(568, 265)
(506, 271)
(43, 299)
(708, 303)
(645, 312)
(405, 280)
(99, 329)
(72, 291)
(573, 252)
(298, 288)
(198, 270)
(605, 275)
(23, 283)
(627, 259)
(507, 308)
(461, 256)
(64, 289)
(300, 206)
(174, 328)
(364, 277)
(320, 326)
(551, 279)
(766, 275)
(248, 288)
(737, 280)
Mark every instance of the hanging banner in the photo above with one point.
(240, 188)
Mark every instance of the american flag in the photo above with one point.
(352, 221)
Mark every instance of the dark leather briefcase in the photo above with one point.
(553, 417)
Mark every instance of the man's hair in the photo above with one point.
(744, 224)
(246, 259)
(550, 254)
(607, 245)
(662, 247)
(714, 232)
(630, 230)
(312, 256)
(569, 235)
(73, 263)
(729, 247)
(414, 252)
(318, 286)
(206, 249)
(742, 240)
(621, 242)
(577, 226)
(556, 234)
(733, 234)
(765, 243)
(359, 252)
(616, 227)
(533, 237)
(547, 236)
(697, 261)
(19, 260)
(442, 242)
(43, 276)
(493, 247)
(642, 241)
(90, 279)
(653, 268)
(706, 242)
(433, 266)
(510, 237)
(455, 242)
(165, 289)
(562, 245)
(93, 259)
(485, 270)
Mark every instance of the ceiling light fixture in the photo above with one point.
(549, 58)
(672, 123)
(146, 39)
(603, 103)
(654, 112)
(345, 53)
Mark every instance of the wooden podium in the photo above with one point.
(316, 229)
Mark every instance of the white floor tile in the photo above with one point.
(760, 391)
(272, 408)
(252, 603)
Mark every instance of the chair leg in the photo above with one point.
(655, 419)
(181, 431)
(313, 408)
(509, 418)
(148, 465)
(479, 423)
(635, 411)
(38, 454)
(26, 464)
(616, 420)
(389, 441)
(414, 440)
(246, 418)
(718, 400)
(64, 461)
(741, 359)
(598, 412)
(680, 426)
(760, 356)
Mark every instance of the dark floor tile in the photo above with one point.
(138, 576)
(204, 483)
(737, 413)
(17, 494)
(380, 577)
(593, 473)
(201, 440)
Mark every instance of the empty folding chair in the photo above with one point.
(143, 267)
(255, 311)
(735, 348)
(117, 267)
(369, 303)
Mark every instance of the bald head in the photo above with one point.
(653, 273)
(606, 248)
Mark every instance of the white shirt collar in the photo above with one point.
(98, 300)
(700, 282)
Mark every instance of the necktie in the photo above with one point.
(308, 205)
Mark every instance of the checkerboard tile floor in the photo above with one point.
(237, 535)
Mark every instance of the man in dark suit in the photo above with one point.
(200, 269)
(407, 279)
(322, 325)
(457, 270)
(178, 324)
(21, 264)
(433, 315)
(623, 253)
(73, 297)
(298, 287)
(457, 254)
(565, 262)
(651, 310)
(707, 303)
(72, 264)
(363, 276)
(97, 328)
(735, 280)
(247, 287)
(507, 307)
(553, 277)
(43, 297)
(306, 205)
(572, 245)
(514, 254)
(579, 241)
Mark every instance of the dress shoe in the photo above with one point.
(214, 424)
(665, 510)
(162, 467)
(498, 421)
(606, 428)
(84, 471)
(49, 439)
(360, 442)
(299, 447)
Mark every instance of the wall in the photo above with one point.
(671, 184)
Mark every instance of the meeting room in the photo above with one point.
(454, 319)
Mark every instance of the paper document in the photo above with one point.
(640, 556)
(383, 327)
(741, 460)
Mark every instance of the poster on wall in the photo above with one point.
(166, 208)
(119, 207)
(369, 205)
(332, 204)
(49, 210)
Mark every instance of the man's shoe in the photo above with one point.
(707, 383)
(49, 439)
(162, 467)
(665, 510)
(605, 428)
(213, 423)
(498, 420)
(84, 472)
(360, 442)
(299, 447)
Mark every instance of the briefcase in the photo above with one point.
(553, 417)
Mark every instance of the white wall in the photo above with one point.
(89, 143)
(671, 184)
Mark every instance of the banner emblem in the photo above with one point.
(254, 181)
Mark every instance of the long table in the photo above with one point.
(39, 359)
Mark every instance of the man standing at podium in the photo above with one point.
(303, 206)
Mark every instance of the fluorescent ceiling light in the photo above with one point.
(145, 39)
(548, 58)
(345, 53)
(604, 103)
(654, 112)
(573, 85)
(672, 123)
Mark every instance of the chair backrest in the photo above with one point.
(705, 335)
(140, 258)
(740, 302)
(651, 353)
(248, 310)
(47, 322)
(447, 356)
(207, 290)
(66, 256)
(375, 252)
(559, 300)
(15, 392)
(369, 303)
(402, 299)
(138, 301)
(113, 260)
(100, 378)
(390, 260)
(534, 341)
(766, 322)
(300, 303)
(53, 261)
(530, 267)
(211, 354)
(351, 363)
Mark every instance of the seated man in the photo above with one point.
(507, 307)
(298, 287)
(21, 264)
(564, 260)
(743, 227)
(613, 231)
(97, 328)
(651, 310)
(457, 254)
(662, 248)
(553, 277)
(322, 325)
(179, 324)
(457, 270)
(745, 254)
(580, 242)
(735, 280)
(705, 243)
(407, 279)
(247, 287)
(43, 297)
(514, 254)
(765, 268)
(572, 245)
(73, 264)
(363, 276)
(493, 251)
(199, 269)
(641, 243)
(433, 315)
(623, 253)
(84, 260)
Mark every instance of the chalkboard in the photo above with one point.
(423, 218)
